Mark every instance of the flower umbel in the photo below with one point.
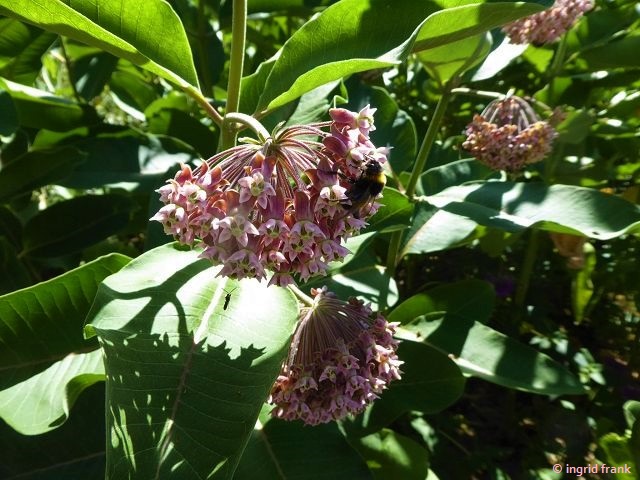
(548, 25)
(341, 358)
(280, 204)
(509, 135)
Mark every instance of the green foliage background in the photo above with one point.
(117, 353)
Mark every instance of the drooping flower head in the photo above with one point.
(509, 135)
(341, 359)
(548, 25)
(280, 204)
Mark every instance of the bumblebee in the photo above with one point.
(365, 188)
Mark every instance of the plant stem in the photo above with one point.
(68, 65)
(204, 103)
(525, 273)
(300, 295)
(418, 168)
(236, 65)
(249, 121)
(556, 66)
(477, 93)
(429, 138)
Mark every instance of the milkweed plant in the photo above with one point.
(320, 239)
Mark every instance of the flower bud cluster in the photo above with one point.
(509, 135)
(279, 205)
(341, 358)
(548, 25)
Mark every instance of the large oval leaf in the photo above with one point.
(36, 169)
(46, 362)
(450, 318)
(356, 35)
(39, 109)
(21, 50)
(433, 230)
(558, 208)
(190, 359)
(137, 31)
(281, 450)
(72, 225)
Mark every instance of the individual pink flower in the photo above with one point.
(279, 204)
(548, 25)
(342, 357)
(509, 135)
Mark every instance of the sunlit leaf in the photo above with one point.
(187, 369)
(353, 36)
(45, 370)
(125, 28)
(557, 208)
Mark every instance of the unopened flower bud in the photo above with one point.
(508, 135)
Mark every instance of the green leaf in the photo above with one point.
(36, 169)
(10, 226)
(122, 157)
(135, 89)
(128, 29)
(451, 174)
(394, 127)
(91, 71)
(395, 212)
(632, 412)
(621, 53)
(13, 273)
(252, 86)
(21, 50)
(391, 455)
(430, 382)
(40, 109)
(282, 449)
(356, 35)
(348, 37)
(582, 286)
(71, 225)
(42, 402)
(450, 317)
(313, 106)
(558, 208)
(618, 454)
(187, 370)
(575, 127)
(453, 59)
(9, 122)
(74, 451)
(45, 358)
(361, 277)
(434, 230)
(499, 58)
(466, 18)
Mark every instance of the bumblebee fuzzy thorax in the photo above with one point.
(365, 188)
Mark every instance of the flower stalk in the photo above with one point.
(418, 168)
(236, 67)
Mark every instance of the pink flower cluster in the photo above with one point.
(342, 357)
(549, 25)
(281, 204)
(509, 135)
